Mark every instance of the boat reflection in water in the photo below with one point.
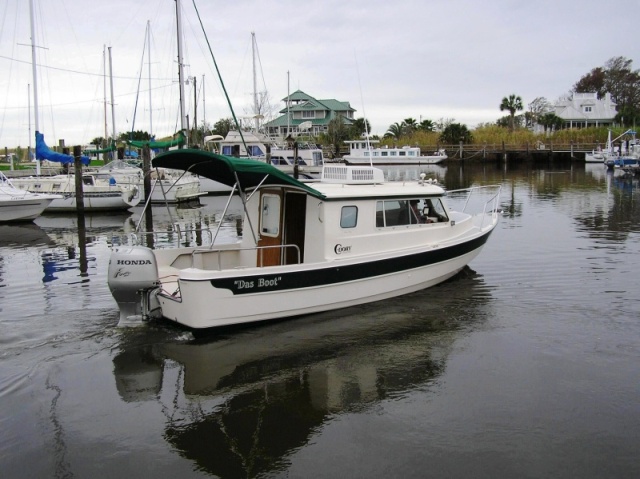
(22, 235)
(239, 405)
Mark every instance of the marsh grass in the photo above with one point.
(493, 135)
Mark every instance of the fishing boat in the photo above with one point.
(349, 238)
(20, 205)
(361, 153)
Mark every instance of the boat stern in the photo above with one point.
(133, 281)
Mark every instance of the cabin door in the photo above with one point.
(295, 207)
(271, 212)
(282, 222)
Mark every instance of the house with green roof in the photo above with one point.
(305, 115)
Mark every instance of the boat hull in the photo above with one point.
(208, 302)
(418, 160)
(26, 209)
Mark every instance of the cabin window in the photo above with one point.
(349, 217)
(270, 215)
(384, 153)
(402, 153)
(255, 150)
(226, 150)
(393, 153)
(410, 212)
(587, 109)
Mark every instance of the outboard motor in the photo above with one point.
(132, 275)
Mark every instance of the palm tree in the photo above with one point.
(426, 125)
(395, 130)
(410, 125)
(512, 104)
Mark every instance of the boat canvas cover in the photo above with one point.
(43, 152)
(158, 145)
(224, 169)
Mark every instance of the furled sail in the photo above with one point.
(43, 152)
(179, 139)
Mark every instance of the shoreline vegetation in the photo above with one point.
(484, 138)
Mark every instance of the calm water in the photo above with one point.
(525, 365)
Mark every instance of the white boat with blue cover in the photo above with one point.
(348, 239)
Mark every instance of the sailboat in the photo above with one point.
(99, 195)
(19, 205)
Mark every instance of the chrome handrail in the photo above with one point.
(220, 251)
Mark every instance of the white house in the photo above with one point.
(585, 109)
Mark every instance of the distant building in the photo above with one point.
(584, 109)
(306, 115)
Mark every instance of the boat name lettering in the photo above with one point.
(260, 283)
(133, 262)
(339, 249)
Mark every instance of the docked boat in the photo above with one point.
(98, 195)
(361, 152)
(169, 186)
(348, 239)
(281, 155)
(21, 205)
(261, 148)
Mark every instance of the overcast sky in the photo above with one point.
(425, 59)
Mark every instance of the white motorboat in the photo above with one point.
(98, 195)
(20, 205)
(362, 153)
(169, 186)
(350, 238)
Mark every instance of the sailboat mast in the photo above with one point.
(35, 79)
(113, 113)
(149, 54)
(104, 86)
(180, 67)
(256, 112)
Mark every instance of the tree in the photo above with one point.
(537, 108)
(551, 121)
(455, 133)
(395, 130)
(410, 125)
(223, 126)
(337, 133)
(426, 125)
(512, 104)
(359, 128)
(592, 82)
(506, 121)
(137, 135)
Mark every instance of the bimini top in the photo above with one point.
(224, 169)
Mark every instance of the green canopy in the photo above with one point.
(225, 169)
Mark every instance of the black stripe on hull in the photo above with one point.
(264, 283)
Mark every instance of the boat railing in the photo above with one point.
(490, 206)
(219, 252)
(136, 238)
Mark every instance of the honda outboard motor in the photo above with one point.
(133, 274)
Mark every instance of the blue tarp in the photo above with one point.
(43, 152)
